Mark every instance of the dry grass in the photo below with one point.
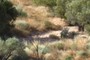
(64, 50)
(61, 50)
(80, 43)
(58, 21)
(37, 16)
(39, 13)
(39, 25)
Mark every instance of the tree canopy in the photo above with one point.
(8, 14)
(74, 11)
(78, 11)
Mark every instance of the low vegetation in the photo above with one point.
(19, 22)
(12, 49)
(74, 11)
(8, 15)
(63, 50)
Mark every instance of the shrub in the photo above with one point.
(88, 45)
(40, 49)
(60, 46)
(23, 25)
(82, 53)
(49, 25)
(22, 28)
(64, 33)
(8, 14)
(49, 3)
(71, 35)
(43, 49)
(21, 13)
(87, 27)
(73, 46)
(60, 8)
(56, 6)
(11, 48)
(69, 58)
(78, 12)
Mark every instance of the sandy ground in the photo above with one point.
(44, 37)
(58, 21)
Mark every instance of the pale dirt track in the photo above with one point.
(44, 37)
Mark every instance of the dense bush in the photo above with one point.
(64, 33)
(60, 8)
(22, 25)
(12, 49)
(49, 25)
(87, 27)
(8, 14)
(22, 13)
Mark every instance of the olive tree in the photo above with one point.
(60, 8)
(78, 12)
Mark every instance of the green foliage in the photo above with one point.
(87, 27)
(9, 11)
(78, 11)
(75, 11)
(22, 14)
(43, 49)
(23, 25)
(69, 58)
(60, 46)
(60, 8)
(49, 25)
(12, 49)
(88, 45)
(57, 6)
(64, 33)
(83, 53)
(49, 3)
(8, 14)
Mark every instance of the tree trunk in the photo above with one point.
(81, 27)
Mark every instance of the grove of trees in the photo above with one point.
(76, 12)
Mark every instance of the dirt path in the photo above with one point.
(44, 37)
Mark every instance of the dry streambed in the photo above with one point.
(45, 37)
